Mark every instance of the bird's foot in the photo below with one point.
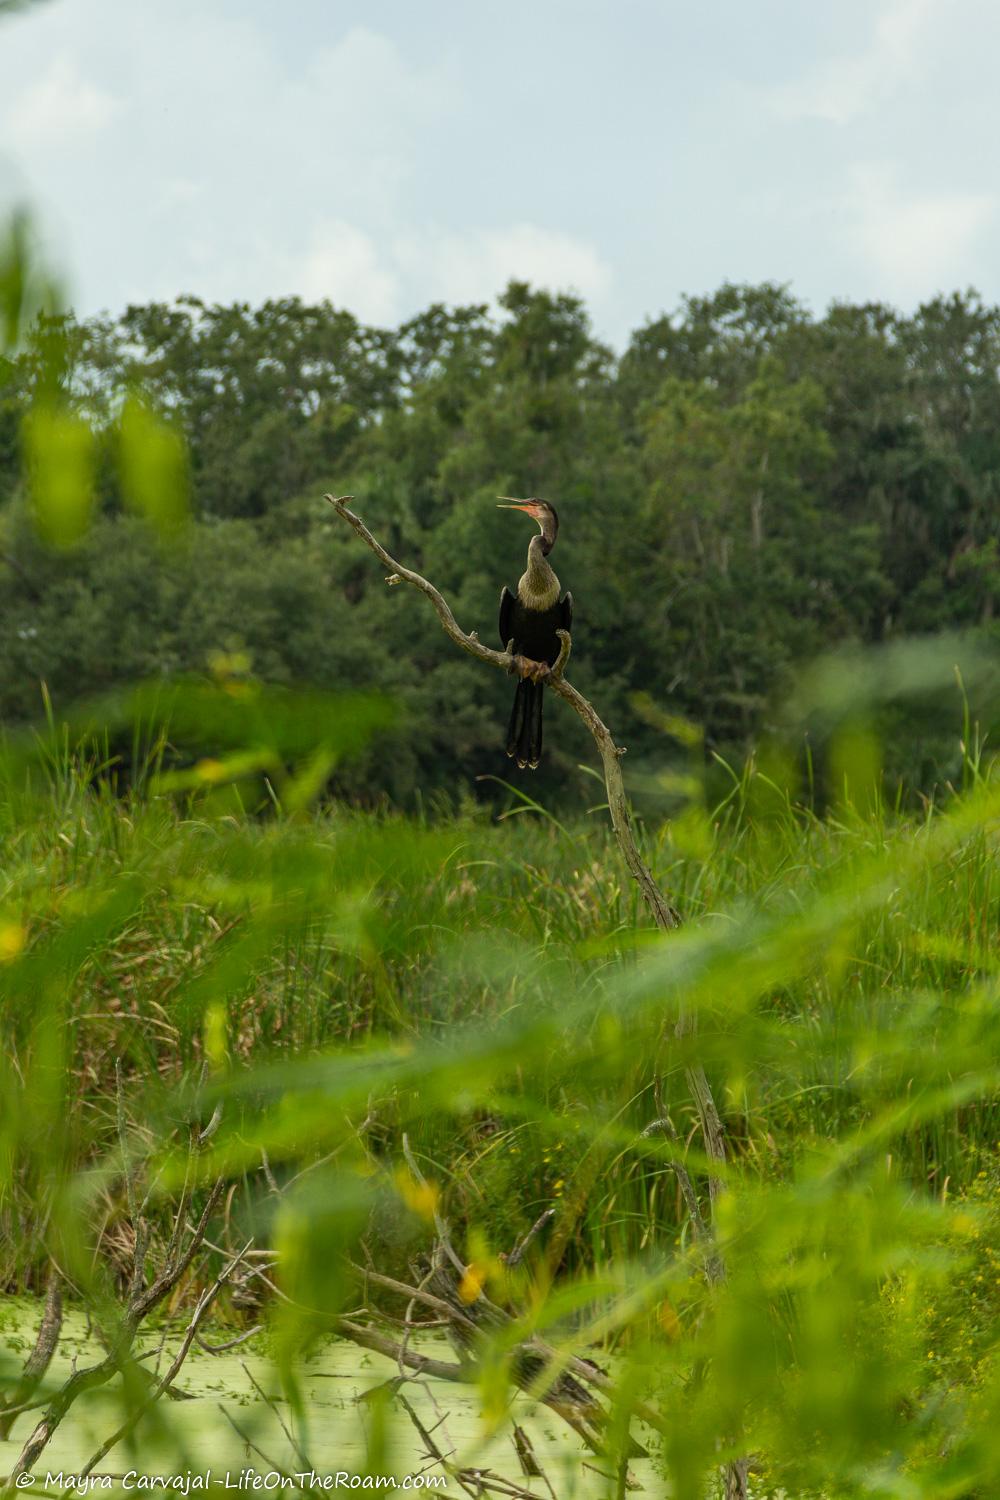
(534, 671)
(510, 666)
(540, 671)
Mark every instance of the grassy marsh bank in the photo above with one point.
(337, 981)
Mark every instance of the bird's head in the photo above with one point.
(540, 511)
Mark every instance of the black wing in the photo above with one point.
(507, 602)
(567, 613)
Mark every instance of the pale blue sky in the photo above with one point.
(391, 154)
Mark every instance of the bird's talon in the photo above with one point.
(534, 671)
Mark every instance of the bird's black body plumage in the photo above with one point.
(529, 621)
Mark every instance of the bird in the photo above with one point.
(529, 622)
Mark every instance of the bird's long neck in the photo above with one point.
(539, 586)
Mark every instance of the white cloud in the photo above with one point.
(342, 265)
(918, 243)
(60, 108)
(385, 158)
(175, 191)
(365, 78)
(473, 267)
(231, 181)
(843, 88)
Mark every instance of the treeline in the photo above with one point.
(745, 486)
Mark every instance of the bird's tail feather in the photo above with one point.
(524, 734)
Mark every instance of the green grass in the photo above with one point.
(493, 989)
(351, 926)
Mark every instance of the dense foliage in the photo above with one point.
(349, 981)
(746, 485)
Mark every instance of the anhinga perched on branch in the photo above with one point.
(529, 626)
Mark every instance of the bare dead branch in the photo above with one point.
(212, 1126)
(421, 1364)
(271, 1405)
(38, 1360)
(268, 1174)
(169, 1278)
(474, 1481)
(514, 1259)
(288, 1480)
(241, 1338)
(166, 1380)
(528, 1459)
(140, 1303)
(416, 1293)
(433, 1452)
(665, 1126)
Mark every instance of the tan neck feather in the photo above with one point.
(538, 587)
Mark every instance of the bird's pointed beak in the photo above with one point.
(506, 503)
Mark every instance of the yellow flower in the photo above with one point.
(669, 1321)
(421, 1197)
(214, 1028)
(12, 940)
(472, 1283)
(210, 770)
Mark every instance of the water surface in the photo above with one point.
(198, 1438)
